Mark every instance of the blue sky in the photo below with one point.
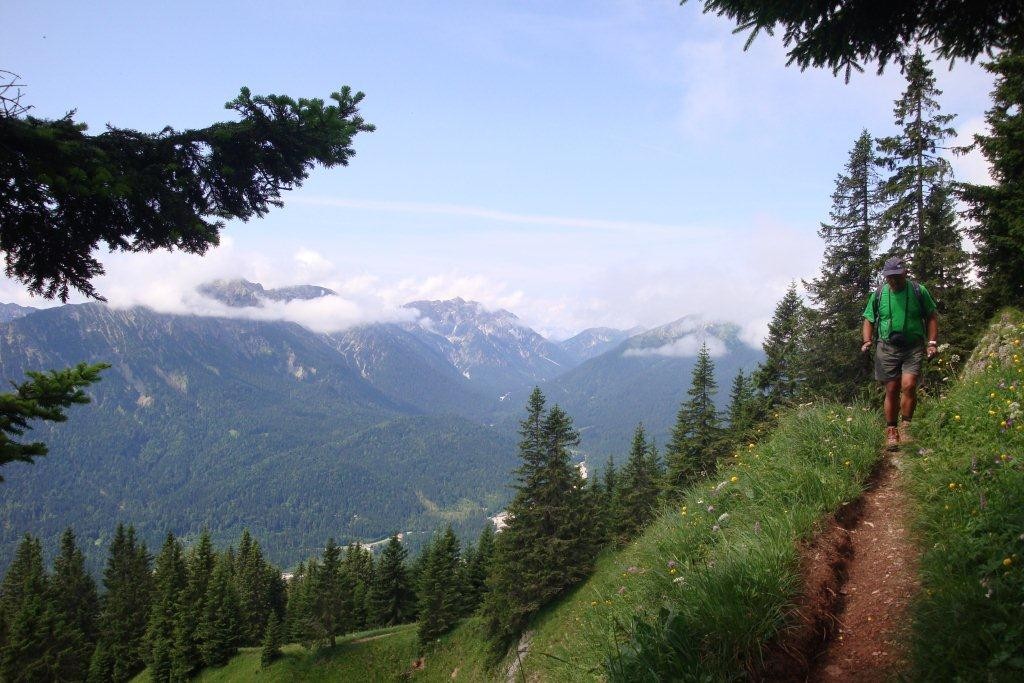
(579, 163)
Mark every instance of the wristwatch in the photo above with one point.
(933, 343)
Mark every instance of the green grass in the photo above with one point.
(695, 593)
(697, 596)
(967, 485)
(380, 655)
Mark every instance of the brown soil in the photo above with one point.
(860, 575)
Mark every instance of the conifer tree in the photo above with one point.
(998, 221)
(780, 377)
(548, 544)
(254, 590)
(301, 622)
(392, 596)
(637, 489)
(220, 629)
(26, 652)
(124, 609)
(440, 588)
(478, 568)
(186, 657)
(696, 440)
(834, 363)
(358, 564)
(271, 642)
(76, 606)
(913, 159)
(332, 606)
(168, 583)
(742, 407)
(606, 503)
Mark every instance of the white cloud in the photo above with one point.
(684, 347)
(971, 167)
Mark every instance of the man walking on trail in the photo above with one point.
(902, 313)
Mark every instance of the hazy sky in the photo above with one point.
(579, 163)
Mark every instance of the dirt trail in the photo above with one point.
(860, 576)
(881, 581)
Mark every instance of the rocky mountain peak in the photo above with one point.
(241, 293)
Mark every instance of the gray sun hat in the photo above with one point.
(894, 266)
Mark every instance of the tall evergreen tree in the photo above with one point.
(478, 568)
(358, 564)
(780, 377)
(548, 544)
(301, 623)
(124, 610)
(333, 607)
(637, 489)
(168, 583)
(220, 629)
(742, 407)
(271, 642)
(835, 366)
(392, 595)
(998, 219)
(608, 514)
(26, 652)
(440, 588)
(76, 606)
(186, 657)
(696, 439)
(254, 589)
(913, 158)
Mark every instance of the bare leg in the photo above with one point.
(892, 400)
(909, 400)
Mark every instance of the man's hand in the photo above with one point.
(930, 351)
(865, 346)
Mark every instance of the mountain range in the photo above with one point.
(227, 423)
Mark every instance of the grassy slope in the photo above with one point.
(379, 655)
(967, 483)
(702, 595)
(727, 587)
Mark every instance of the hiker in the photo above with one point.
(900, 315)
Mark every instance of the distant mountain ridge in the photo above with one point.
(10, 312)
(241, 293)
(300, 435)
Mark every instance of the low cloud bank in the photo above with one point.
(684, 347)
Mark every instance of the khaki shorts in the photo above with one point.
(891, 361)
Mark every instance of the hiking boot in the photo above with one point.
(905, 436)
(892, 439)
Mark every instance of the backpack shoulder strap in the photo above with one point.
(875, 308)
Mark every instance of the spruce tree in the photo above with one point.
(548, 544)
(168, 583)
(780, 378)
(742, 408)
(440, 588)
(478, 568)
(220, 629)
(995, 210)
(392, 597)
(186, 657)
(637, 489)
(76, 607)
(301, 623)
(835, 365)
(696, 440)
(914, 161)
(271, 642)
(358, 563)
(124, 609)
(254, 590)
(26, 651)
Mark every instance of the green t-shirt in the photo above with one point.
(900, 312)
